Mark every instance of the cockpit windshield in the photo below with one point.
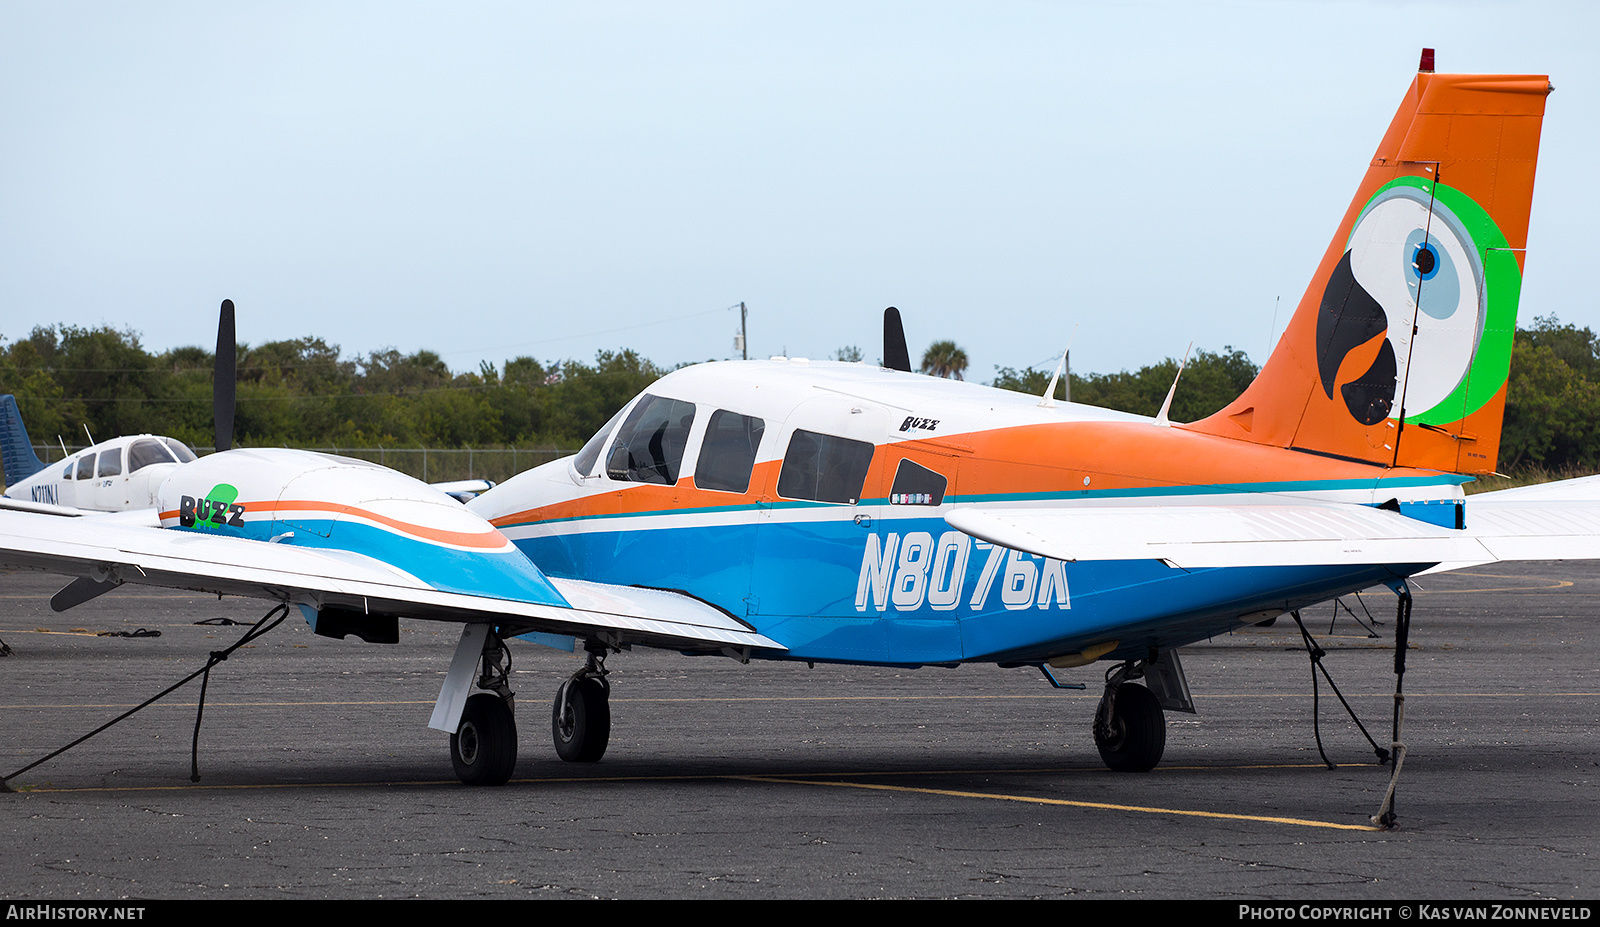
(650, 444)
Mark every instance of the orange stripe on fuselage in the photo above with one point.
(483, 540)
(1028, 459)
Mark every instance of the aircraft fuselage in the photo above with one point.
(808, 500)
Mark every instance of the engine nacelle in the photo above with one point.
(305, 499)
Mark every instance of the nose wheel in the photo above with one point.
(580, 719)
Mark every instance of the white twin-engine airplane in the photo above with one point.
(831, 512)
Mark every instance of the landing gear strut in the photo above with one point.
(580, 720)
(483, 749)
(1129, 728)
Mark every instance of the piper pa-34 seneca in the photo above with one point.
(833, 512)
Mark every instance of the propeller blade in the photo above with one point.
(224, 379)
(895, 355)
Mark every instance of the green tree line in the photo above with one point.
(1552, 416)
(305, 392)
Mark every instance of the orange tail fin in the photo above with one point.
(1399, 351)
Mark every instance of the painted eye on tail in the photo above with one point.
(1432, 280)
(1415, 259)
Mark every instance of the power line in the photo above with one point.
(608, 331)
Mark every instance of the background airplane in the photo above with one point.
(112, 476)
(798, 510)
(123, 474)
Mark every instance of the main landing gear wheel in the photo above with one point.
(1130, 731)
(484, 747)
(580, 722)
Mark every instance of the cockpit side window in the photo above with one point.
(650, 444)
(824, 468)
(728, 453)
(143, 453)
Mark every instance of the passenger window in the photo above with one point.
(86, 467)
(649, 446)
(824, 468)
(142, 454)
(728, 453)
(915, 484)
(110, 463)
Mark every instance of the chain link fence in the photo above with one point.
(429, 464)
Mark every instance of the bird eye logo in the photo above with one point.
(217, 508)
(1428, 276)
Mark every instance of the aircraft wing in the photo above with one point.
(43, 508)
(109, 551)
(1549, 521)
(1281, 532)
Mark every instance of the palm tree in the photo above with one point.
(944, 359)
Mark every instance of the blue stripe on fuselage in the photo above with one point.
(913, 590)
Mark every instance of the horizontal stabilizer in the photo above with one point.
(1277, 533)
(1550, 521)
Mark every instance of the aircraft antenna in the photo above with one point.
(1065, 367)
(63, 442)
(1274, 329)
(1161, 417)
(86, 432)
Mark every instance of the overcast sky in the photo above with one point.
(489, 180)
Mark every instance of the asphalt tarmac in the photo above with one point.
(320, 779)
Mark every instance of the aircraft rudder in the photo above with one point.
(16, 451)
(1399, 350)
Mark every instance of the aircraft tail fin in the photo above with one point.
(16, 451)
(1400, 348)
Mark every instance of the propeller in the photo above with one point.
(224, 379)
(895, 355)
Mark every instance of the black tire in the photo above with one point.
(583, 730)
(484, 747)
(1138, 732)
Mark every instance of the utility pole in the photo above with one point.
(740, 343)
